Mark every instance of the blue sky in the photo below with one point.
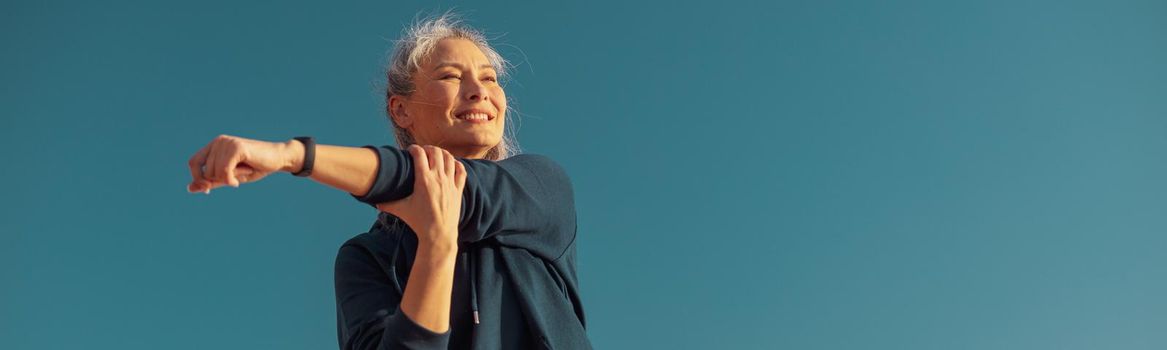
(749, 175)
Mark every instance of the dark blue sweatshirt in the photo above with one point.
(515, 284)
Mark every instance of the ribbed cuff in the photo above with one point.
(378, 192)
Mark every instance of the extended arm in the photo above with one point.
(232, 160)
(525, 200)
(349, 169)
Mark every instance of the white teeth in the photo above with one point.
(475, 116)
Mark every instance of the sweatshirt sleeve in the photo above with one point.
(525, 200)
(368, 313)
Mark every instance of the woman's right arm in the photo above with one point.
(508, 199)
(350, 169)
(230, 161)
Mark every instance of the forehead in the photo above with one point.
(458, 51)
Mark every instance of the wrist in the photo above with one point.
(293, 152)
(440, 248)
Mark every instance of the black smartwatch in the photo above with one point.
(309, 155)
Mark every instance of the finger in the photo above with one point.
(242, 168)
(229, 164)
(199, 185)
(204, 186)
(244, 173)
(432, 156)
(195, 186)
(459, 175)
(439, 161)
(209, 165)
(223, 148)
(420, 164)
(215, 184)
(449, 164)
(196, 163)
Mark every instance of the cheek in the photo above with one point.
(440, 96)
(446, 99)
(501, 102)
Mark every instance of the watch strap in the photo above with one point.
(309, 155)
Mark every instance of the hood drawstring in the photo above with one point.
(467, 259)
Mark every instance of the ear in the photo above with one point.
(396, 110)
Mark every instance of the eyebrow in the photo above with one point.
(460, 66)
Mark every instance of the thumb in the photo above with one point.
(245, 174)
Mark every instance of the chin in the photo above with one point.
(480, 139)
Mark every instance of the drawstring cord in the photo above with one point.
(473, 287)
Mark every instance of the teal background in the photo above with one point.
(749, 175)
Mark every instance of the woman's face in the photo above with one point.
(457, 104)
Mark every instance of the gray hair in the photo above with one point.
(417, 41)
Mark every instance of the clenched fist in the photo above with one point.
(230, 160)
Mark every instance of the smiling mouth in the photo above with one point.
(475, 117)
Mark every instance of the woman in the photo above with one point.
(472, 249)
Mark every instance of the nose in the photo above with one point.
(476, 91)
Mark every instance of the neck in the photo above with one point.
(468, 152)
